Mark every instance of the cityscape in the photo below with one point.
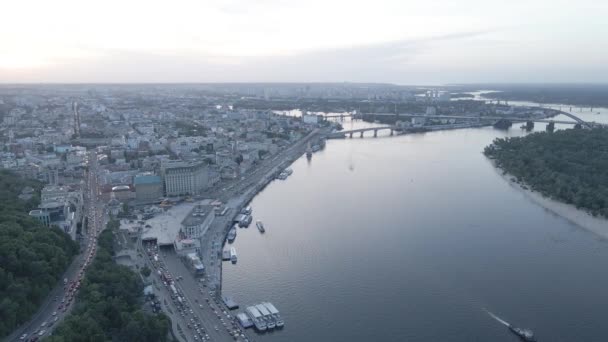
(218, 171)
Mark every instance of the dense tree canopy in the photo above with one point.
(109, 303)
(569, 165)
(32, 256)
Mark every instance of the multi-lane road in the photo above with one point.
(194, 312)
(61, 299)
(202, 295)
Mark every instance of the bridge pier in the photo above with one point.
(392, 132)
(361, 134)
(375, 133)
(351, 135)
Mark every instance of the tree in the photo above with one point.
(145, 271)
(568, 165)
(108, 306)
(32, 256)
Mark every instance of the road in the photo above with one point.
(193, 312)
(61, 299)
(203, 295)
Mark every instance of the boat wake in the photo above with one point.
(500, 320)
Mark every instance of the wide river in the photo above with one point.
(409, 238)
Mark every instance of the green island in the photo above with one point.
(569, 165)
(109, 303)
(32, 257)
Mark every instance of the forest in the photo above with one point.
(109, 304)
(32, 257)
(570, 165)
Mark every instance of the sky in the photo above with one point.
(393, 41)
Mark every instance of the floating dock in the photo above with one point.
(230, 303)
(264, 316)
(244, 320)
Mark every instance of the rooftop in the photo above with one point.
(147, 179)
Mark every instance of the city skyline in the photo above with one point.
(274, 41)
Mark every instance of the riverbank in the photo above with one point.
(595, 225)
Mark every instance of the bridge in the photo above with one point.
(342, 134)
(468, 117)
(576, 119)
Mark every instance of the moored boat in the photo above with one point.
(260, 226)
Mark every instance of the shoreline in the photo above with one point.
(596, 225)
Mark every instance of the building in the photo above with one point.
(187, 246)
(197, 221)
(310, 119)
(418, 122)
(148, 188)
(122, 193)
(185, 178)
(56, 213)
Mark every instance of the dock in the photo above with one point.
(230, 303)
(244, 320)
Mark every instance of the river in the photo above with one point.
(409, 238)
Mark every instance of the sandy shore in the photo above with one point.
(596, 225)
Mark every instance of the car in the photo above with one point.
(43, 325)
(41, 333)
(22, 338)
(54, 313)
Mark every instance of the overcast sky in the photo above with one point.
(397, 41)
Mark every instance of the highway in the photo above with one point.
(61, 299)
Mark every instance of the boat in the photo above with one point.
(260, 226)
(275, 314)
(233, 254)
(247, 211)
(225, 255)
(231, 234)
(270, 321)
(525, 335)
(245, 221)
(257, 318)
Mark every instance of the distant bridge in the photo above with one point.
(342, 134)
(576, 119)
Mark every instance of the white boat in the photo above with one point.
(275, 314)
(233, 254)
(270, 322)
(260, 226)
(245, 221)
(246, 211)
(257, 318)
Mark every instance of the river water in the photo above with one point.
(409, 238)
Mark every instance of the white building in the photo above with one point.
(185, 179)
(197, 221)
(310, 119)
